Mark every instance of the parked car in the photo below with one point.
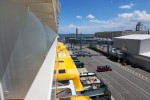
(74, 57)
(104, 68)
(72, 49)
(79, 64)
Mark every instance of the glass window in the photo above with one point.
(61, 61)
(62, 71)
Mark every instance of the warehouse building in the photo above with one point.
(112, 34)
(137, 48)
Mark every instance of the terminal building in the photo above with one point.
(136, 47)
(111, 34)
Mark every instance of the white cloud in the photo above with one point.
(71, 25)
(90, 16)
(135, 15)
(75, 26)
(98, 21)
(79, 17)
(126, 15)
(127, 6)
(123, 21)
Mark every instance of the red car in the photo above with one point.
(104, 68)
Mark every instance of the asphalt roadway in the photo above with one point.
(124, 84)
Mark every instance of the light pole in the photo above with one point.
(81, 42)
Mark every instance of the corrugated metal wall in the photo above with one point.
(24, 42)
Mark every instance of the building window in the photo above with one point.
(60, 61)
(62, 71)
(68, 98)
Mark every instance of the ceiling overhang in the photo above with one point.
(46, 10)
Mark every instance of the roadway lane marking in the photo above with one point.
(85, 70)
(89, 65)
(130, 71)
(131, 86)
(137, 89)
(120, 85)
(99, 61)
(113, 89)
(126, 78)
(132, 83)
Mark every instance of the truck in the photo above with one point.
(103, 68)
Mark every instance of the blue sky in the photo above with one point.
(91, 16)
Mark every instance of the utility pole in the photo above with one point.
(108, 44)
(76, 32)
(81, 42)
(71, 39)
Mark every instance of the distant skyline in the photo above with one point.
(91, 16)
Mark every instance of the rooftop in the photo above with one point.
(147, 54)
(135, 36)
